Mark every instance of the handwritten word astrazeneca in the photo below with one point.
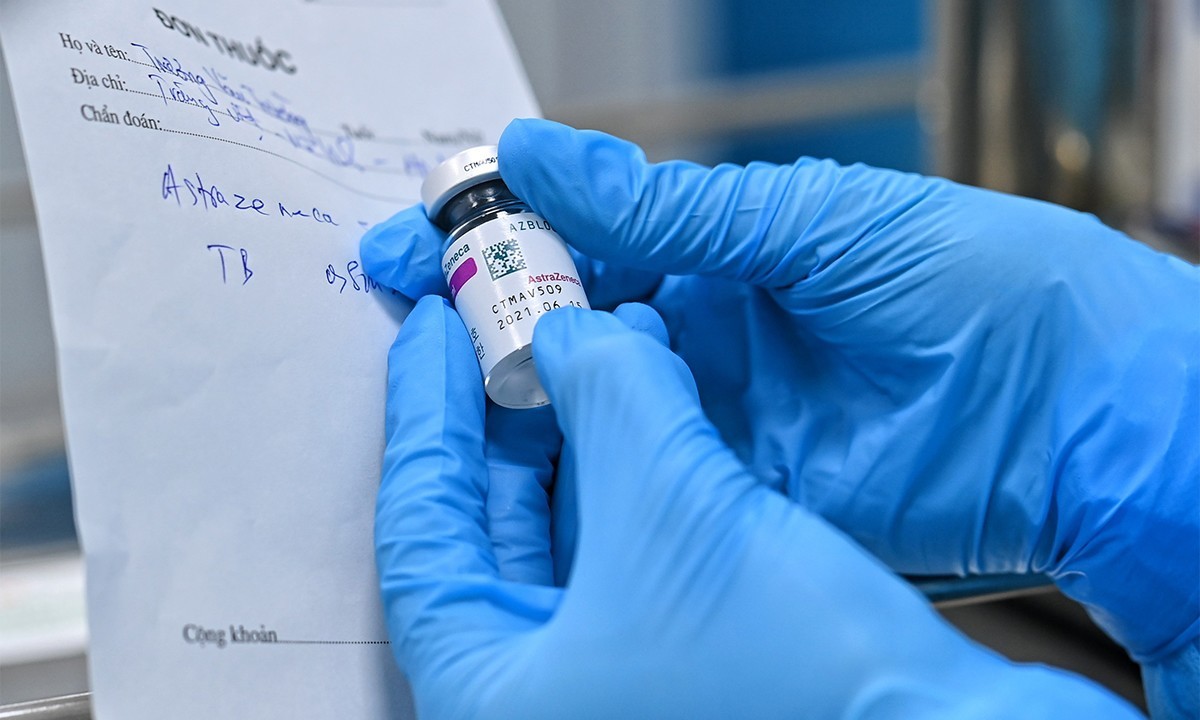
(192, 191)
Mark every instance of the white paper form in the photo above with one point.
(202, 173)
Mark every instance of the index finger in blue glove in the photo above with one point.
(764, 224)
(404, 253)
(522, 447)
(593, 395)
(564, 526)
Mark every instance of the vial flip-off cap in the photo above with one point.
(459, 172)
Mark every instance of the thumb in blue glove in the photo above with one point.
(697, 591)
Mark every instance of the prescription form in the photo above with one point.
(202, 173)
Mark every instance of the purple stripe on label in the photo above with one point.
(459, 277)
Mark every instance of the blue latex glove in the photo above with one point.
(965, 382)
(697, 591)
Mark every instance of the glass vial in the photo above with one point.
(506, 267)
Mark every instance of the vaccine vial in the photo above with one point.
(506, 268)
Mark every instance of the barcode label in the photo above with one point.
(504, 258)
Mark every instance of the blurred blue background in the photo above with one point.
(778, 36)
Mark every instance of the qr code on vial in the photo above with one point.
(503, 258)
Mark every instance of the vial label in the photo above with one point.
(504, 275)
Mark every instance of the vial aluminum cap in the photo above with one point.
(469, 167)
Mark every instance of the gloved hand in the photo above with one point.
(697, 592)
(963, 381)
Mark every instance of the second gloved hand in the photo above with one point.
(697, 592)
(963, 381)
